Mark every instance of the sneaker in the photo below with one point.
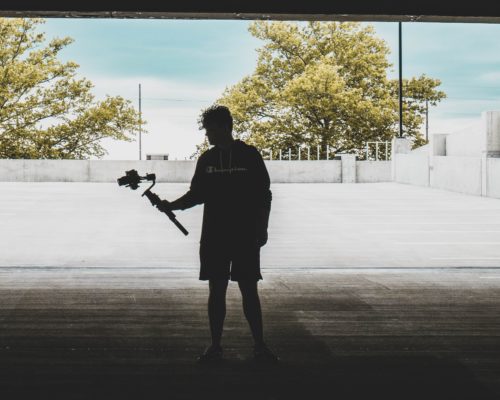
(210, 355)
(265, 354)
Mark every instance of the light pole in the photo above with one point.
(400, 79)
(427, 121)
(140, 124)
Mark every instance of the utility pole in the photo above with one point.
(140, 124)
(400, 80)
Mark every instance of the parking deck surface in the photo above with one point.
(311, 225)
(369, 291)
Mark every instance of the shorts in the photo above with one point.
(230, 263)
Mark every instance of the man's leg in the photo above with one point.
(253, 314)
(217, 309)
(252, 309)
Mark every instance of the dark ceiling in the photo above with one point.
(374, 10)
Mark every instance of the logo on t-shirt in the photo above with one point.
(214, 170)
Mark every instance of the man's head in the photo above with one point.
(218, 124)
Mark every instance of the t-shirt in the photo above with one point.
(234, 186)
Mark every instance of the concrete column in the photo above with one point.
(484, 175)
(348, 168)
(491, 126)
(491, 121)
(399, 146)
(438, 144)
(437, 147)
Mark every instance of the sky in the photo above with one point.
(183, 66)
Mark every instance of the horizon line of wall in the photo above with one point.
(467, 162)
(345, 170)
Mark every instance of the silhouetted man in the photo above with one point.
(231, 180)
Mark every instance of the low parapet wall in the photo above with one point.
(305, 171)
(412, 169)
(373, 171)
(182, 171)
(468, 175)
(458, 174)
(493, 176)
(467, 161)
(91, 170)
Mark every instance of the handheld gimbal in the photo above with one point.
(132, 180)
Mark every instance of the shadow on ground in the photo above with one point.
(117, 344)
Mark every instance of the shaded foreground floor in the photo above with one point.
(134, 333)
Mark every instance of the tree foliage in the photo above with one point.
(45, 110)
(324, 83)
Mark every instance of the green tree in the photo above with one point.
(45, 110)
(324, 83)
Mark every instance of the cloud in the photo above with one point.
(490, 77)
(466, 108)
(156, 89)
(454, 125)
(171, 109)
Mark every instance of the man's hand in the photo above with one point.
(262, 221)
(164, 206)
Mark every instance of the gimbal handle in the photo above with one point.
(156, 201)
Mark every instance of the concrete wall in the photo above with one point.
(482, 138)
(373, 171)
(469, 142)
(348, 163)
(398, 146)
(182, 171)
(305, 171)
(493, 182)
(91, 170)
(44, 170)
(437, 145)
(478, 176)
(411, 168)
(458, 174)
(422, 149)
(466, 161)
(491, 124)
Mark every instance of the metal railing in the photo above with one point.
(299, 153)
(377, 150)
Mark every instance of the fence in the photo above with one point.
(300, 153)
(374, 151)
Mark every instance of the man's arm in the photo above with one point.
(196, 193)
(264, 198)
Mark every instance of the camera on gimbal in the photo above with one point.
(132, 180)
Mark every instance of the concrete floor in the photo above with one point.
(369, 291)
(110, 333)
(311, 225)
